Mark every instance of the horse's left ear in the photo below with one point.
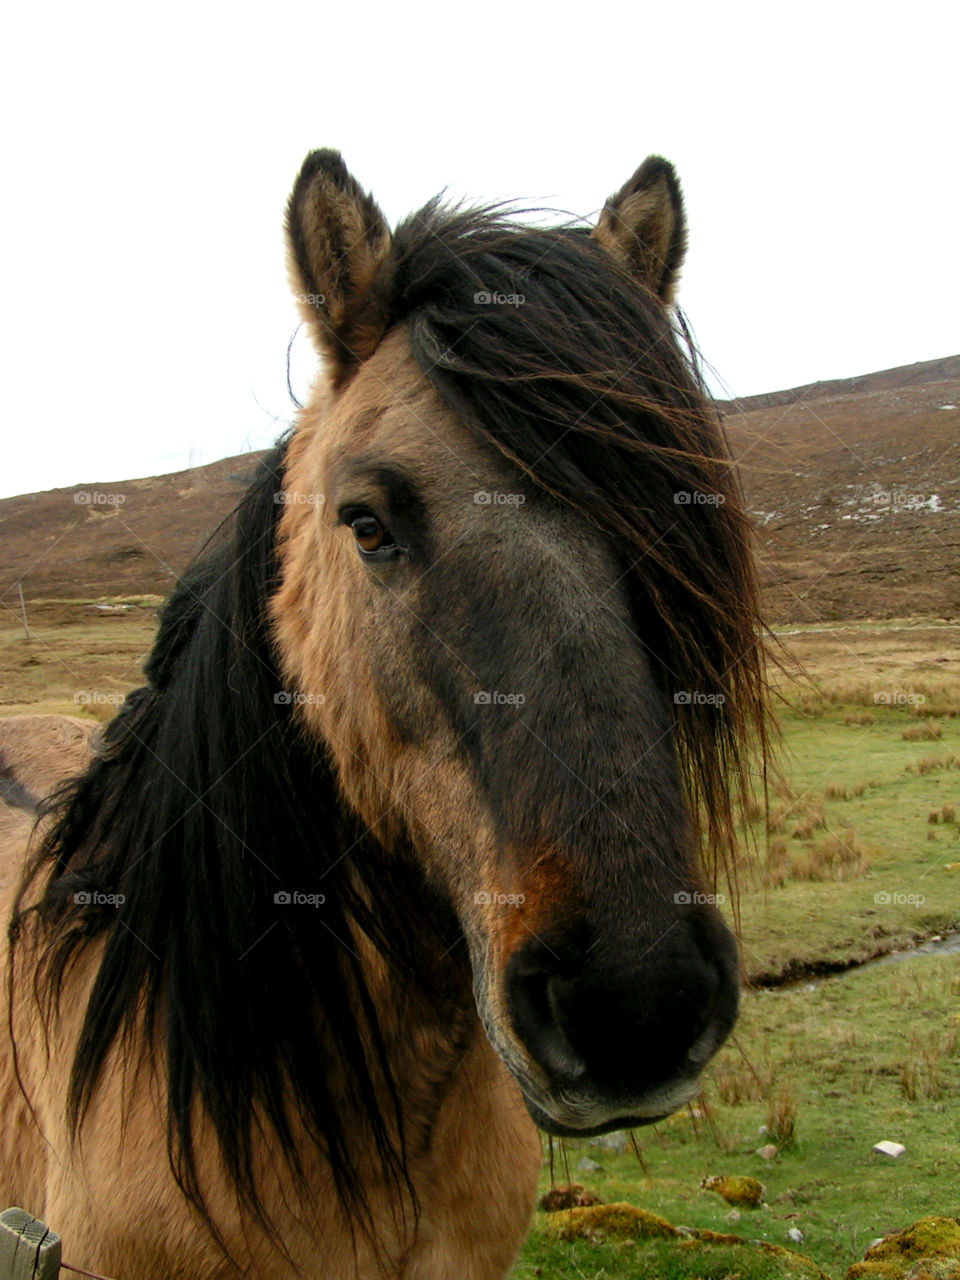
(645, 228)
(338, 243)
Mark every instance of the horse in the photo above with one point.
(401, 851)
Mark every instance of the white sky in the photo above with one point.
(149, 153)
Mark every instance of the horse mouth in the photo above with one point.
(569, 1115)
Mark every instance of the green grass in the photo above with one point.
(913, 867)
(844, 1049)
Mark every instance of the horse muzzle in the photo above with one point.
(615, 1034)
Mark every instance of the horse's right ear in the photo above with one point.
(338, 243)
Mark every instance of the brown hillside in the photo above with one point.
(856, 496)
(855, 487)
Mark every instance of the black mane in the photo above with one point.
(203, 802)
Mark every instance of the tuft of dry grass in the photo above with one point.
(776, 871)
(940, 709)
(921, 1070)
(859, 718)
(809, 820)
(781, 1118)
(837, 791)
(838, 857)
(928, 764)
(933, 816)
(948, 813)
(737, 1080)
(925, 730)
(777, 819)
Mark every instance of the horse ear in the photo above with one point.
(338, 243)
(645, 228)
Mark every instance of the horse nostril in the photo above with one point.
(532, 1003)
(625, 1025)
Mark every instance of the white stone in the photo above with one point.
(893, 1149)
(796, 1235)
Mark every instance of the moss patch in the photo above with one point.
(927, 1250)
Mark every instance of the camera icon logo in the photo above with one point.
(681, 498)
(482, 698)
(82, 899)
(882, 899)
(682, 698)
(283, 698)
(483, 298)
(282, 898)
(683, 897)
(482, 499)
(82, 499)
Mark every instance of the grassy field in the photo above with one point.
(844, 1063)
(858, 854)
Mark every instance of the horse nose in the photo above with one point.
(625, 1017)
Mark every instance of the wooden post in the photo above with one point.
(29, 1250)
(23, 610)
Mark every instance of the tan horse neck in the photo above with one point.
(474, 1153)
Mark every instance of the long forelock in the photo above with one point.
(579, 375)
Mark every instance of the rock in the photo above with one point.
(893, 1149)
(796, 1235)
(747, 1193)
(767, 1152)
(617, 1142)
(900, 1255)
(733, 1215)
(586, 1165)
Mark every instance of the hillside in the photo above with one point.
(855, 489)
(854, 485)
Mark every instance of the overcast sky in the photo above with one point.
(149, 153)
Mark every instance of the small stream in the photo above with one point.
(947, 945)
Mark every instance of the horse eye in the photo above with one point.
(370, 534)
